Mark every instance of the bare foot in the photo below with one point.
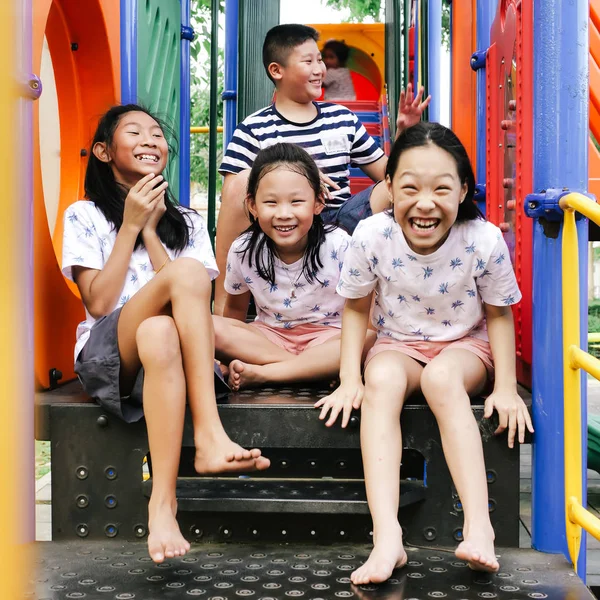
(221, 455)
(244, 375)
(478, 551)
(164, 537)
(388, 554)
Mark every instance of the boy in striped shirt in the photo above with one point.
(330, 133)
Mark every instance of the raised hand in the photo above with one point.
(410, 109)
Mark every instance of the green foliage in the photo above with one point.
(359, 9)
(199, 141)
(200, 93)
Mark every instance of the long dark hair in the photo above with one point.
(297, 160)
(108, 195)
(425, 133)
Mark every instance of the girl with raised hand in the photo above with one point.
(290, 263)
(143, 266)
(444, 287)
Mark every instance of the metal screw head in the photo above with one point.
(82, 472)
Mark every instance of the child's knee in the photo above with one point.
(190, 276)
(381, 385)
(158, 341)
(437, 382)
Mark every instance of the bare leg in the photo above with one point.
(164, 407)
(381, 445)
(236, 339)
(318, 362)
(447, 382)
(183, 290)
(231, 223)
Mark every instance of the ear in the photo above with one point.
(388, 185)
(100, 151)
(463, 192)
(251, 205)
(319, 204)
(275, 71)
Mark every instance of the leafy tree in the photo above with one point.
(200, 92)
(361, 9)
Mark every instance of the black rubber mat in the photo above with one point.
(90, 570)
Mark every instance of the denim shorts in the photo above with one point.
(98, 367)
(351, 212)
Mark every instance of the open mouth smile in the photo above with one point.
(147, 158)
(419, 224)
(284, 228)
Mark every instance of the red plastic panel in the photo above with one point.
(509, 74)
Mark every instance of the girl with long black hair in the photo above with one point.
(290, 262)
(143, 266)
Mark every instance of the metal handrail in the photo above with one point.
(205, 129)
(577, 516)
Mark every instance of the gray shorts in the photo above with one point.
(351, 212)
(98, 367)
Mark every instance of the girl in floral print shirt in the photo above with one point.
(143, 266)
(290, 263)
(443, 287)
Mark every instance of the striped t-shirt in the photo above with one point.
(335, 138)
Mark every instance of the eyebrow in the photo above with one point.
(437, 176)
(135, 123)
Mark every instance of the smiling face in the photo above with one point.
(285, 206)
(426, 192)
(301, 77)
(138, 148)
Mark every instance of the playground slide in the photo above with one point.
(594, 154)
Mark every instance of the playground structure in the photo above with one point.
(529, 164)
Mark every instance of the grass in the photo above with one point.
(42, 459)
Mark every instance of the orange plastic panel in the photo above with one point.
(464, 82)
(86, 72)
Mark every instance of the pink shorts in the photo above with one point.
(424, 352)
(297, 339)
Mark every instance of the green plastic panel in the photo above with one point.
(394, 54)
(158, 64)
(255, 89)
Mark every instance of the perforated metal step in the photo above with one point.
(281, 496)
(96, 570)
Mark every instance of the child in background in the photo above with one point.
(338, 80)
(290, 263)
(444, 287)
(143, 266)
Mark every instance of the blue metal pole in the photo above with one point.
(229, 94)
(434, 57)
(486, 9)
(560, 160)
(129, 51)
(187, 35)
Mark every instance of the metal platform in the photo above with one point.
(112, 570)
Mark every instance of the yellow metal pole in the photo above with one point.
(578, 514)
(16, 447)
(571, 374)
(582, 360)
(204, 129)
(587, 207)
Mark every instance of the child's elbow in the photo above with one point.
(98, 309)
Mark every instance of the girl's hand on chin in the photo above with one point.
(142, 200)
(343, 400)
